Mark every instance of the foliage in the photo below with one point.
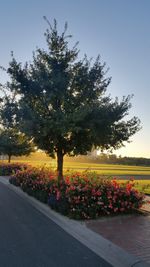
(14, 143)
(114, 159)
(34, 181)
(59, 100)
(79, 196)
(9, 169)
(142, 186)
(87, 199)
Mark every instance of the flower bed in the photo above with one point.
(79, 196)
(34, 181)
(7, 169)
(88, 199)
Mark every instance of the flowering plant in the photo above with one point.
(79, 196)
(34, 181)
(7, 169)
(90, 199)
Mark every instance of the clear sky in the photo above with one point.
(118, 30)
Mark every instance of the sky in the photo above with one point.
(118, 30)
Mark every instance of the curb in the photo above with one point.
(104, 248)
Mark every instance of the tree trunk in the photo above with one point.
(60, 165)
(9, 158)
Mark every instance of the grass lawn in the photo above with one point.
(102, 169)
(143, 186)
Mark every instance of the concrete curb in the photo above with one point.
(104, 248)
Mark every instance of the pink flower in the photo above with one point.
(58, 195)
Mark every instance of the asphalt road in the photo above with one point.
(30, 239)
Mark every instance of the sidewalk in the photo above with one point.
(131, 232)
(146, 207)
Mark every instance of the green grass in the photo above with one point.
(102, 169)
(143, 186)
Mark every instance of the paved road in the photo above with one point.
(29, 239)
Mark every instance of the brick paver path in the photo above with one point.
(131, 232)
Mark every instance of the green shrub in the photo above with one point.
(88, 199)
(7, 169)
(35, 181)
(79, 196)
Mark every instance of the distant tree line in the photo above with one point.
(114, 159)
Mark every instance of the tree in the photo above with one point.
(61, 102)
(13, 143)
(103, 158)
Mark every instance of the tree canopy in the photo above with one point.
(60, 101)
(13, 143)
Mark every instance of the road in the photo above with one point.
(30, 239)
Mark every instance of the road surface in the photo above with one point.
(30, 239)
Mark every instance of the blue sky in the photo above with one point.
(118, 30)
